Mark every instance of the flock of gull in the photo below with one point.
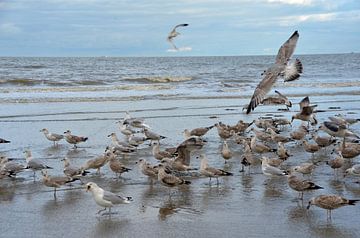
(263, 142)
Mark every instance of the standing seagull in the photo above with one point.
(174, 34)
(52, 136)
(104, 198)
(281, 67)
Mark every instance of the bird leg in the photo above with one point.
(55, 192)
(101, 210)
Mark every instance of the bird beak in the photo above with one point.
(87, 188)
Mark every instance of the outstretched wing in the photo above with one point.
(180, 25)
(305, 102)
(261, 90)
(287, 49)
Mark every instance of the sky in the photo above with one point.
(140, 27)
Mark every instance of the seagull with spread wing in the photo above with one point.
(174, 34)
(281, 67)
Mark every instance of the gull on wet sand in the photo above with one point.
(337, 163)
(55, 181)
(226, 152)
(106, 199)
(169, 180)
(98, 162)
(310, 147)
(301, 185)
(269, 170)
(300, 133)
(34, 164)
(173, 33)
(72, 139)
(116, 166)
(281, 67)
(200, 131)
(10, 168)
(73, 171)
(336, 130)
(211, 172)
(330, 202)
(150, 135)
(304, 168)
(282, 152)
(258, 147)
(148, 169)
(277, 137)
(160, 154)
(52, 136)
(354, 170)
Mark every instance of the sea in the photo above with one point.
(58, 79)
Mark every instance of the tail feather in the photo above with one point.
(225, 173)
(186, 182)
(314, 186)
(353, 201)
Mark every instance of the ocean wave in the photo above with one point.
(159, 79)
(29, 82)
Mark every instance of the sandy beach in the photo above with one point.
(251, 204)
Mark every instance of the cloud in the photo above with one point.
(293, 2)
(9, 28)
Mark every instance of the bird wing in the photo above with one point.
(171, 180)
(287, 49)
(272, 170)
(179, 25)
(261, 90)
(331, 126)
(114, 198)
(305, 102)
(281, 95)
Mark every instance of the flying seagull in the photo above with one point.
(281, 67)
(174, 34)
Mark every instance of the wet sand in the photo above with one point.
(250, 205)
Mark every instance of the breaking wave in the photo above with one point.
(159, 79)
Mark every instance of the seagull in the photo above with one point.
(52, 136)
(72, 171)
(354, 170)
(301, 185)
(270, 170)
(116, 166)
(72, 139)
(160, 154)
(304, 168)
(169, 180)
(281, 67)
(174, 34)
(148, 169)
(10, 168)
(211, 172)
(104, 198)
(279, 100)
(226, 152)
(152, 135)
(336, 130)
(56, 181)
(34, 164)
(200, 131)
(330, 202)
(98, 162)
(306, 112)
